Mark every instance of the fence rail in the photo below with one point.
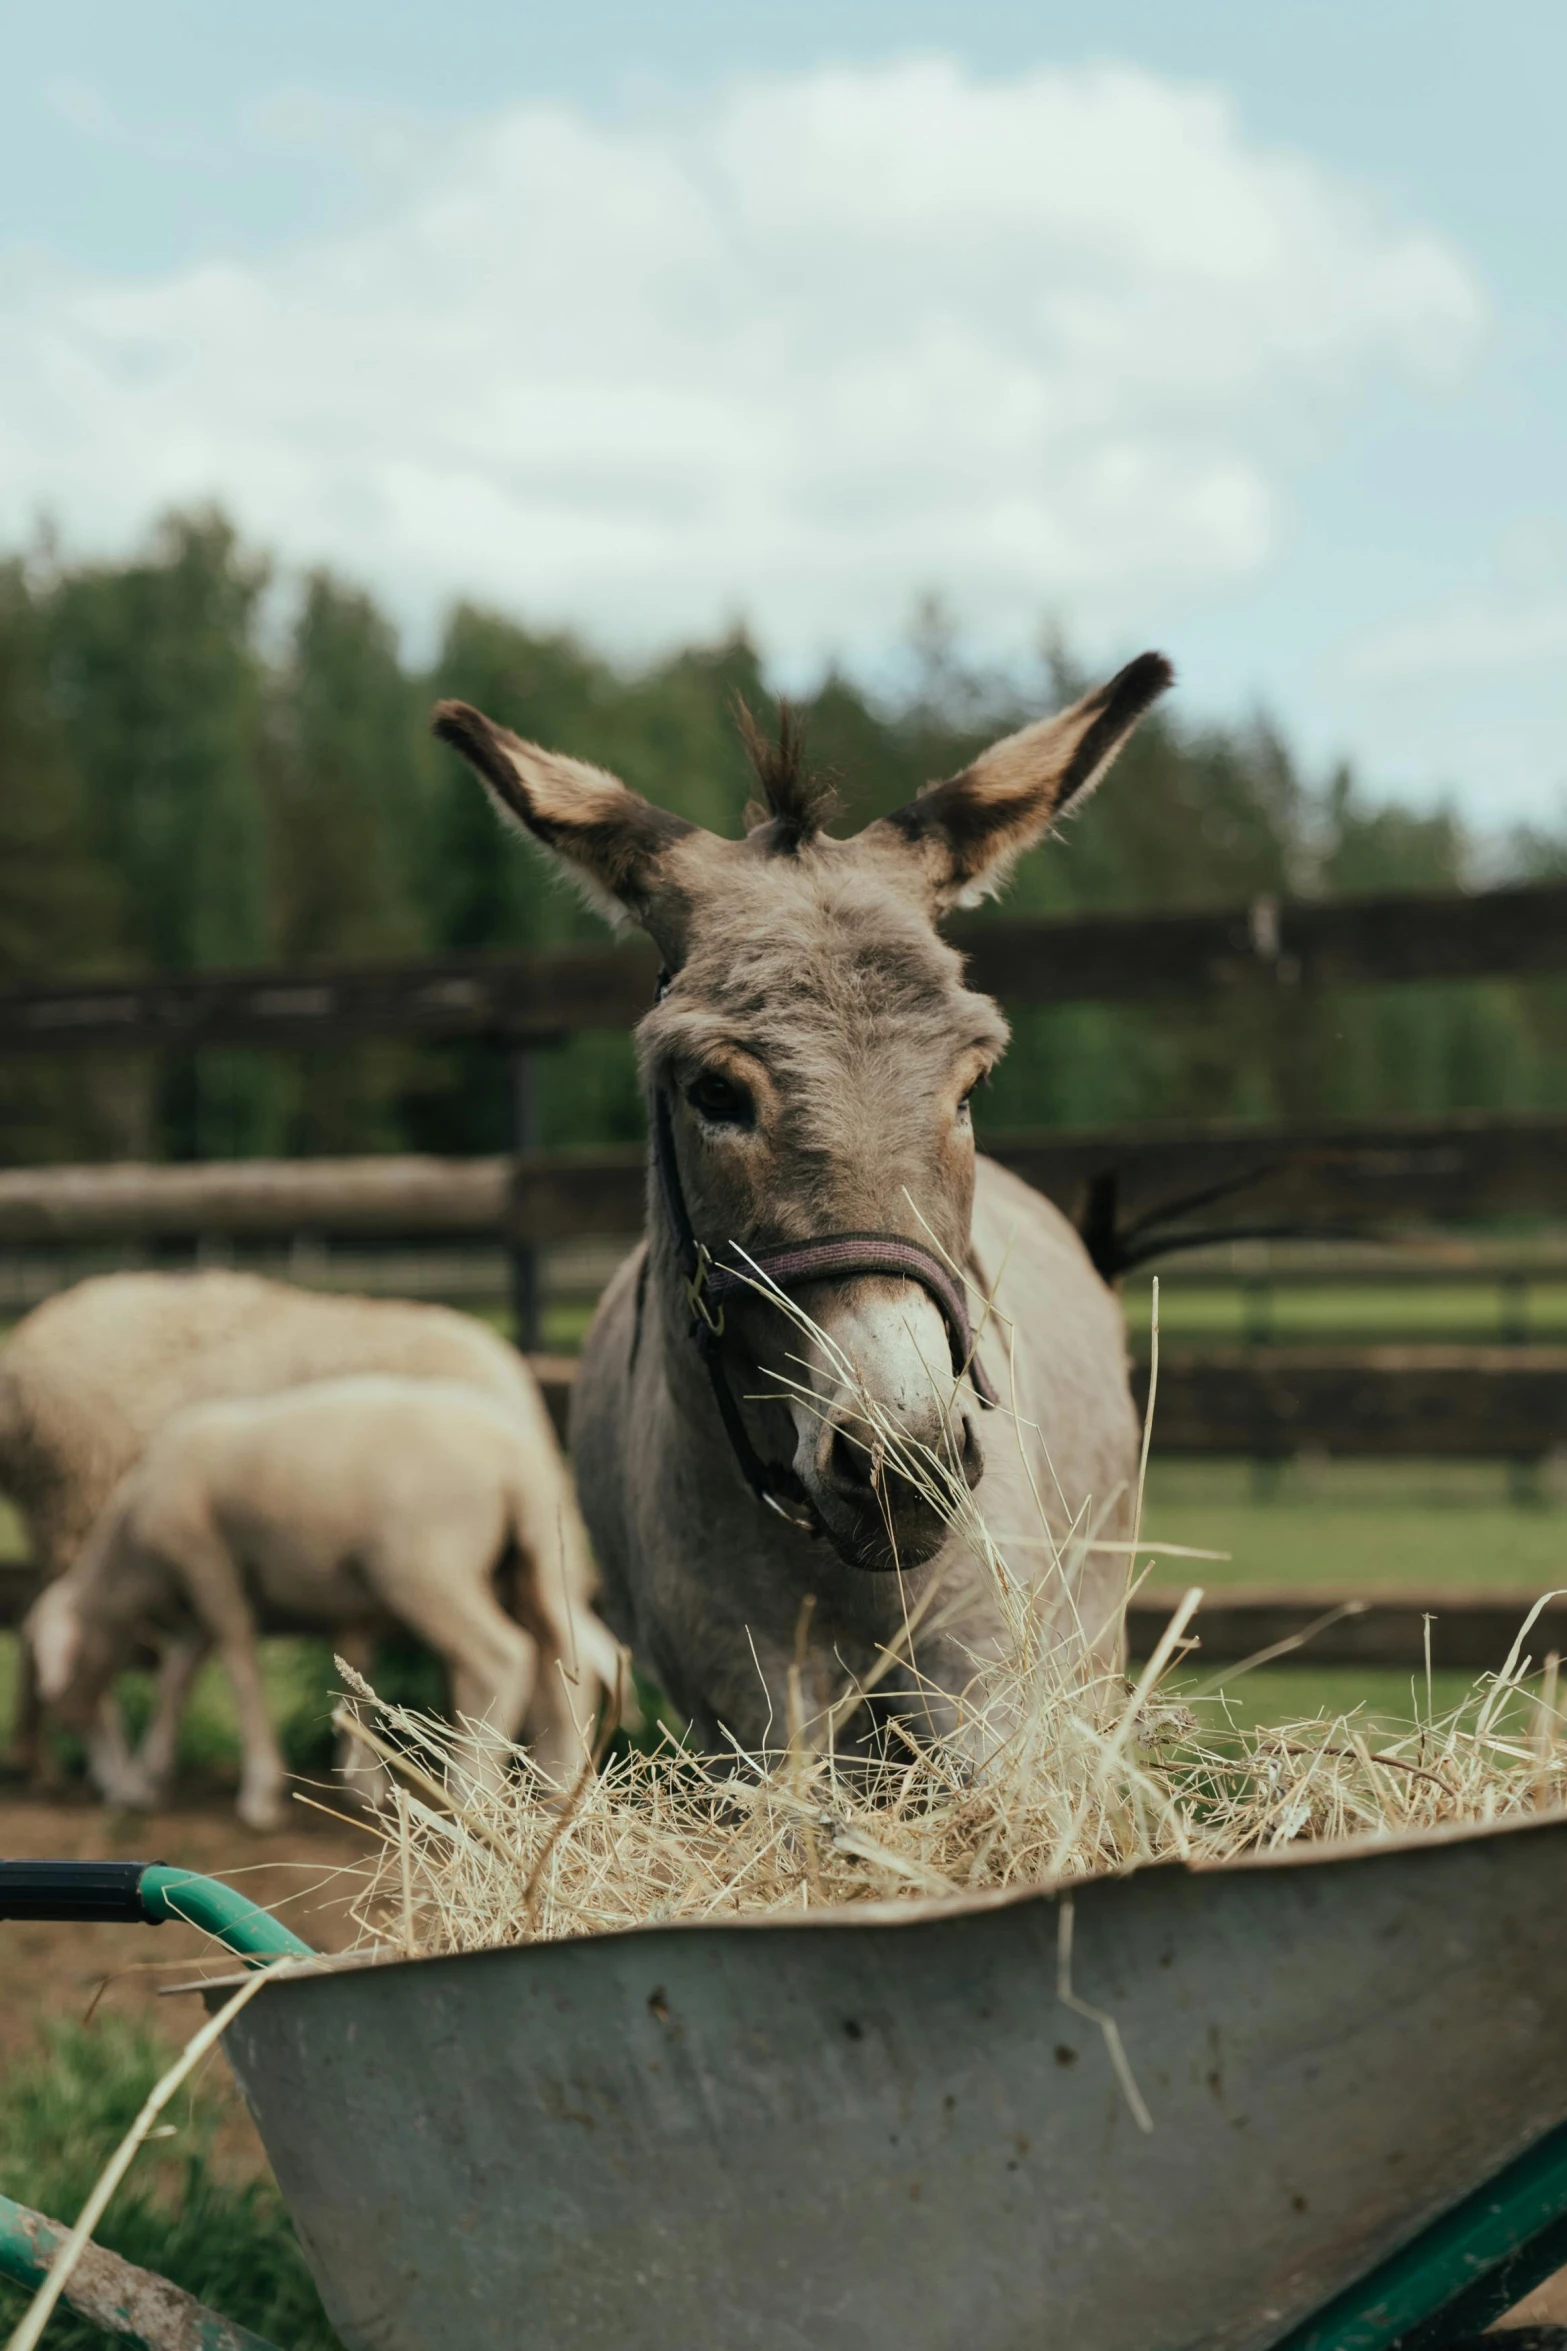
(1504, 1403)
(1343, 1177)
(1136, 1193)
(256, 1199)
(1379, 1403)
(542, 997)
(1471, 1631)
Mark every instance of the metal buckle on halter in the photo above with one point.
(805, 1520)
(696, 1286)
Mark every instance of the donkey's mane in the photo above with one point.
(794, 803)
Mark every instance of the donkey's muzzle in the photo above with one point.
(890, 1501)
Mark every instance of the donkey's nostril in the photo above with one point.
(849, 1466)
(855, 1465)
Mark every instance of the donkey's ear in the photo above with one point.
(608, 839)
(969, 832)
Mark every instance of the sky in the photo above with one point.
(1237, 330)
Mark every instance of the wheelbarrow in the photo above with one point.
(1314, 2099)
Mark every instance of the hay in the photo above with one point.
(1055, 1770)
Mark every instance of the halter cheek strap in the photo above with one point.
(712, 1277)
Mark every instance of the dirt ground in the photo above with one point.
(49, 1970)
(68, 1971)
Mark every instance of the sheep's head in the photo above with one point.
(73, 1660)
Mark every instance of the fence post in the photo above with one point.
(524, 1263)
(1258, 1296)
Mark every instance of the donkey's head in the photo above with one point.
(817, 1050)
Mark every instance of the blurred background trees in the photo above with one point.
(199, 771)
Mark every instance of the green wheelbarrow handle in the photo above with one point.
(112, 2293)
(132, 2303)
(146, 1893)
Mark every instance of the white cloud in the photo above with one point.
(80, 108)
(802, 349)
(1477, 638)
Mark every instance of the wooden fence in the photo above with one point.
(1471, 1632)
(1138, 1193)
(533, 998)
(1343, 1177)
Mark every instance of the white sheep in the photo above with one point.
(90, 1376)
(369, 1503)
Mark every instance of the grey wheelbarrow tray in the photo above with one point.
(888, 2126)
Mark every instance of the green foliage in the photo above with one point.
(302, 1689)
(350, 784)
(159, 685)
(349, 770)
(159, 688)
(59, 908)
(184, 783)
(63, 2111)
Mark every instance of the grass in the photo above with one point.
(1276, 1694)
(302, 1689)
(1358, 1524)
(1368, 1312)
(181, 2213)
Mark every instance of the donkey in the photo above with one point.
(809, 1066)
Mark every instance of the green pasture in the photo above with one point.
(1194, 1312)
(184, 2211)
(1356, 1523)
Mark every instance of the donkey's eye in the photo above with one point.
(720, 1100)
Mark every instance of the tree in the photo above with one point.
(59, 910)
(173, 795)
(158, 683)
(348, 788)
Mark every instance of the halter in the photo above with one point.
(711, 1277)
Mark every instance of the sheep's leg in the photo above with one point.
(197, 1556)
(492, 1661)
(560, 1720)
(182, 1659)
(548, 1588)
(262, 1773)
(490, 1692)
(110, 1764)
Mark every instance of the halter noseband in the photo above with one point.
(712, 1277)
